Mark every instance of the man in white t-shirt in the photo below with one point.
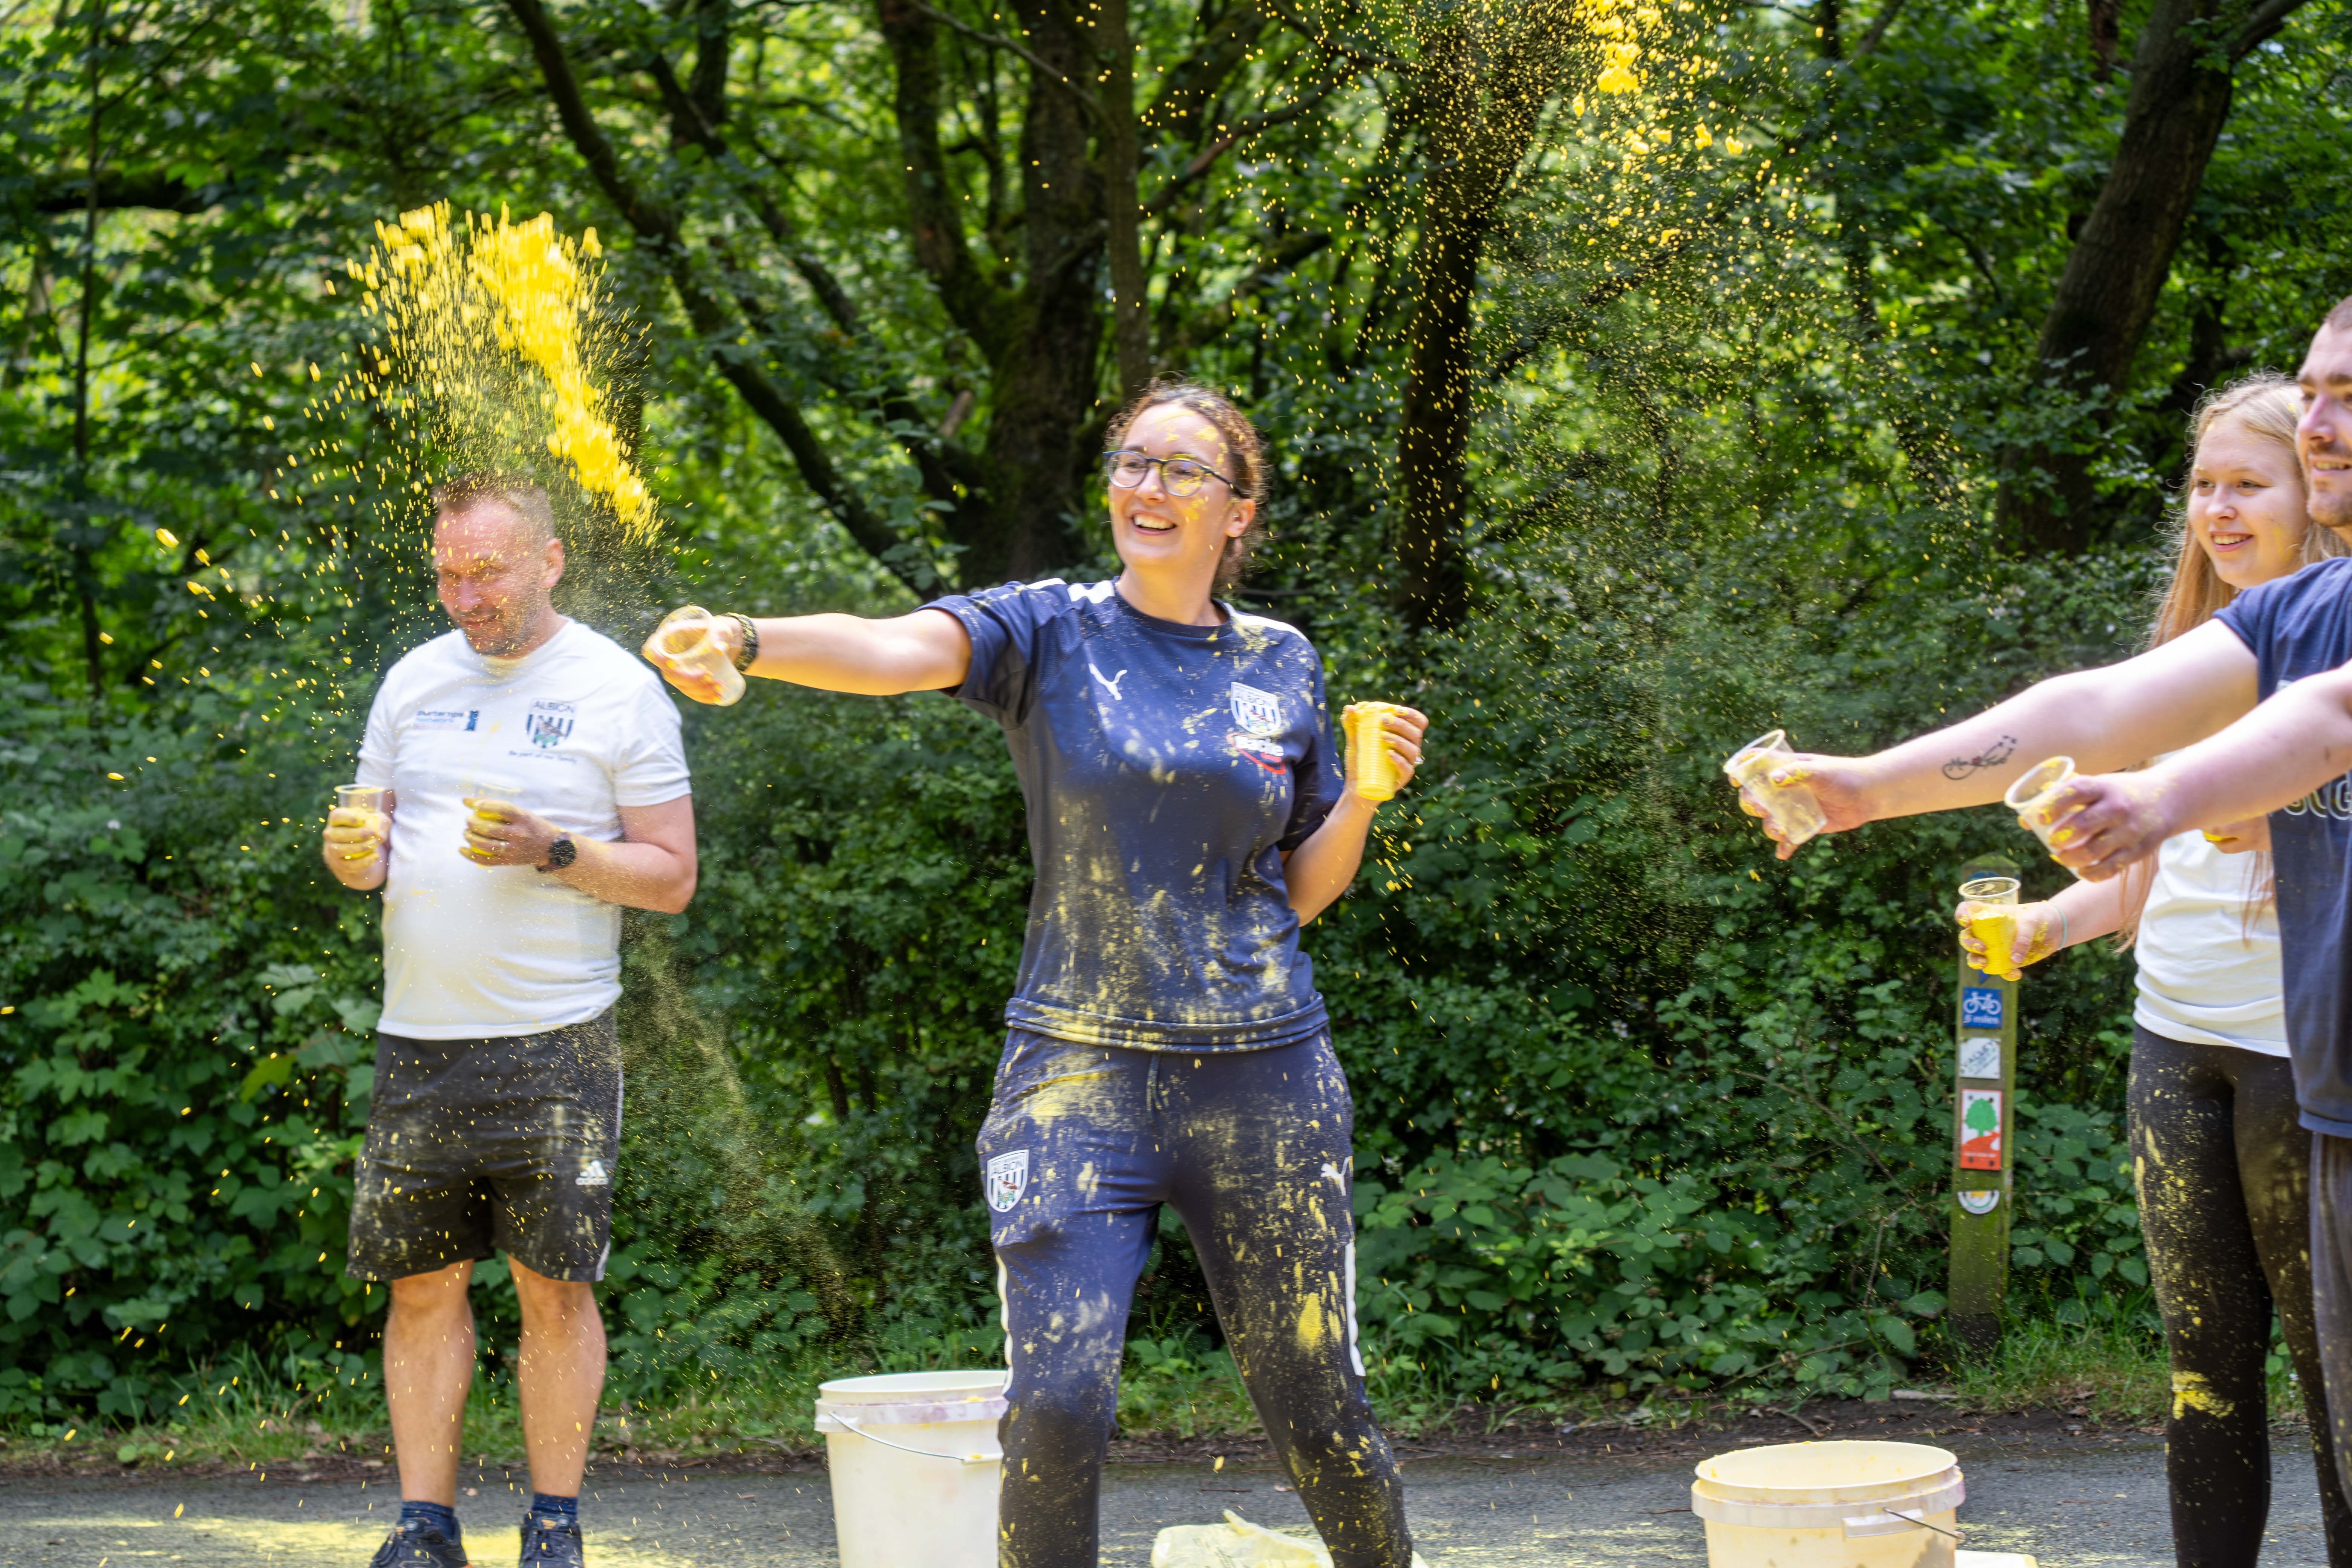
(537, 787)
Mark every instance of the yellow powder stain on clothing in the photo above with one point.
(1312, 1328)
(2191, 1391)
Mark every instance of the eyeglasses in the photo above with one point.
(1178, 475)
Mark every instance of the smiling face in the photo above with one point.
(493, 571)
(1180, 537)
(2246, 504)
(2324, 437)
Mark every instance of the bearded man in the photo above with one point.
(537, 787)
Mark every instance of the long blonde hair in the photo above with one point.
(2266, 406)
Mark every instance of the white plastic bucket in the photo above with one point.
(915, 1465)
(1831, 1505)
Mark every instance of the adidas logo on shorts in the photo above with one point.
(595, 1176)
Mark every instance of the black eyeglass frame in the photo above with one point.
(1110, 480)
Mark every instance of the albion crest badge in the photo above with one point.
(1007, 1179)
(548, 722)
(1259, 712)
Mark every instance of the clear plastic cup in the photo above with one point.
(2030, 795)
(1367, 734)
(1996, 925)
(687, 641)
(372, 801)
(1791, 808)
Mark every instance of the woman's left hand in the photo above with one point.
(1404, 729)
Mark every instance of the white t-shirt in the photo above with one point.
(2207, 975)
(580, 727)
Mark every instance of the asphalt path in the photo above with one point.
(2067, 1502)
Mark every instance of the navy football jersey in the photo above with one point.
(1166, 768)
(2297, 627)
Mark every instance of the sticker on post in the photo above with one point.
(1980, 1007)
(1979, 1130)
(1979, 1200)
(1980, 1057)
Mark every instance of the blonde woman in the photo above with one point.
(2223, 1162)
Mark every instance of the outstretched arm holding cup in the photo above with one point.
(2105, 719)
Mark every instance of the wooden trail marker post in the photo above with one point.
(1983, 1105)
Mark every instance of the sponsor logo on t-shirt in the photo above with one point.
(2333, 801)
(1266, 753)
(446, 718)
(1259, 712)
(547, 723)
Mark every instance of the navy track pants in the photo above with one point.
(1252, 1148)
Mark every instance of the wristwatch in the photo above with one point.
(560, 853)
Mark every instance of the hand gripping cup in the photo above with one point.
(1789, 807)
(1995, 924)
(1375, 770)
(688, 642)
(2031, 794)
(369, 799)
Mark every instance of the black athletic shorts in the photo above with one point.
(490, 1145)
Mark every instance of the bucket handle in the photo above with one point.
(1890, 1521)
(919, 1452)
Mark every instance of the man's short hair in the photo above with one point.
(2340, 318)
(456, 497)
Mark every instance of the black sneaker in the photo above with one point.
(418, 1546)
(551, 1540)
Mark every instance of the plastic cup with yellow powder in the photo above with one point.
(1994, 921)
(1790, 807)
(372, 803)
(688, 642)
(1368, 751)
(485, 792)
(2033, 796)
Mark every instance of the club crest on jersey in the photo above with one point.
(548, 722)
(1259, 712)
(1008, 1178)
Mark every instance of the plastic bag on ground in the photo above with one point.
(1238, 1544)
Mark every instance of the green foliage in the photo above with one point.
(1639, 1109)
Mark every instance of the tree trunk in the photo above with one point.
(1043, 339)
(2180, 90)
(1122, 207)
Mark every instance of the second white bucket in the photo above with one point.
(1831, 1505)
(915, 1466)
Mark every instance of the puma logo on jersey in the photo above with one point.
(1110, 681)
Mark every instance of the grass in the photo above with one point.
(2111, 1372)
(244, 1413)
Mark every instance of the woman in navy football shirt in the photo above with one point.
(1166, 1043)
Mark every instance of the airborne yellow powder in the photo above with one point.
(503, 328)
(1619, 26)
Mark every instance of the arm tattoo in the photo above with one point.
(1992, 757)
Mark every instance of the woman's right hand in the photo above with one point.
(2033, 935)
(1840, 786)
(727, 632)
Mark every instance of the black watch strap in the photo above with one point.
(560, 853)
